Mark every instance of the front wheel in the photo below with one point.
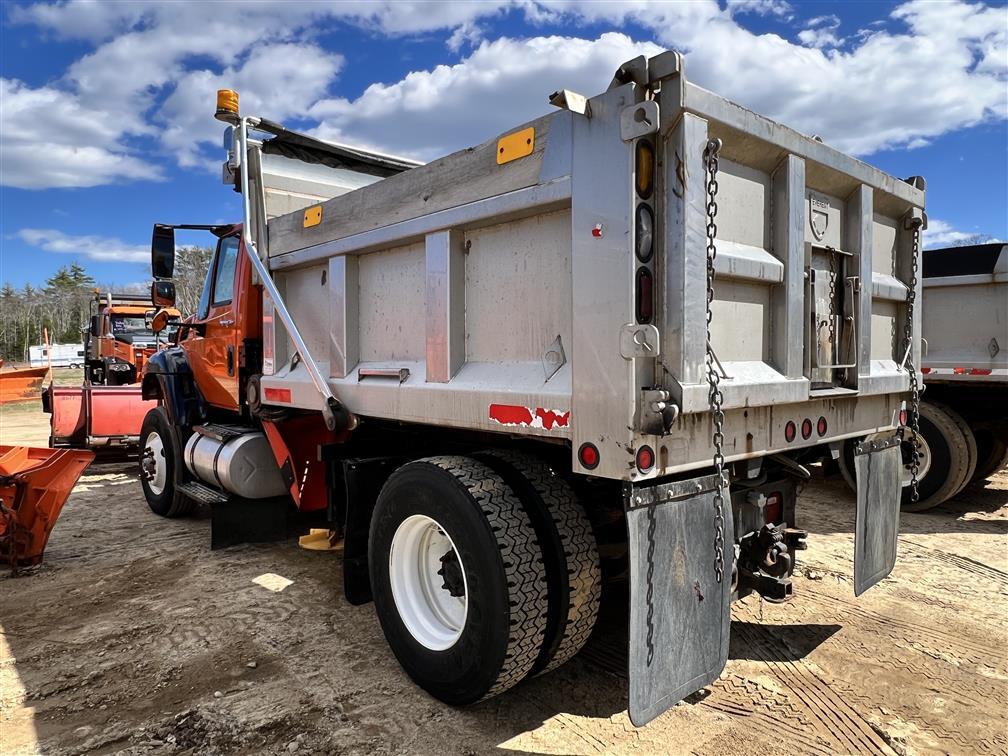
(457, 578)
(160, 458)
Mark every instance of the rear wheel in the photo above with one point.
(570, 554)
(992, 452)
(160, 457)
(947, 456)
(457, 578)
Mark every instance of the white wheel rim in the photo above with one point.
(434, 617)
(923, 460)
(154, 452)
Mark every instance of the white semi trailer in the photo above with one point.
(619, 324)
(964, 411)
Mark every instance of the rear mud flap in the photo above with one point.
(679, 613)
(877, 465)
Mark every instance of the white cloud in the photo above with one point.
(501, 84)
(936, 68)
(98, 248)
(821, 32)
(941, 234)
(50, 139)
(279, 80)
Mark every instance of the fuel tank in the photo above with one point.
(238, 462)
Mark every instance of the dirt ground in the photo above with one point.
(134, 637)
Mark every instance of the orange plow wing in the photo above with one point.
(20, 385)
(34, 484)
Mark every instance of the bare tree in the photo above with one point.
(191, 265)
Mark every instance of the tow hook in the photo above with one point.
(767, 560)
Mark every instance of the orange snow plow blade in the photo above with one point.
(34, 484)
(19, 385)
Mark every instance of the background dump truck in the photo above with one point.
(964, 412)
(613, 330)
(119, 339)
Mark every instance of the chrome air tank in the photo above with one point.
(239, 463)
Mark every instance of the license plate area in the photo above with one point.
(876, 527)
(679, 614)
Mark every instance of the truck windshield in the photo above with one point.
(128, 323)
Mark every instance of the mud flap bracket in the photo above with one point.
(877, 465)
(679, 614)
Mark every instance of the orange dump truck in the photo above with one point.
(107, 410)
(119, 340)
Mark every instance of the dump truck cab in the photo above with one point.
(119, 339)
(601, 344)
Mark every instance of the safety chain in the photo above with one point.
(650, 583)
(713, 376)
(832, 312)
(916, 224)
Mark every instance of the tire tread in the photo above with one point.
(523, 567)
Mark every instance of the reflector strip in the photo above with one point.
(277, 395)
(527, 417)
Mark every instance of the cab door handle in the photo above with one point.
(227, 323)
(230, 359)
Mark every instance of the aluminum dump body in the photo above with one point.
(498, 289)
(966, 314)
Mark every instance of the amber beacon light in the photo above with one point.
(227, 106)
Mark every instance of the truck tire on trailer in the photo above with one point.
(457, 578)
(948, 458)
(992, 452)
(160, 456)
(570, 554)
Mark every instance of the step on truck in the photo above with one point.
(964, 408)
(595, 346)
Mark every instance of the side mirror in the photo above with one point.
(162, 294)
(163, 251)
(94, 326)
(160, 321)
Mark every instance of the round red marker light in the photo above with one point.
(645, 459)
(806, 429)
(789, 431)
(821, 427)
(589, 456)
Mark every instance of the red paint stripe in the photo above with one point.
(510, 414)
(550, 418)
(277, 395)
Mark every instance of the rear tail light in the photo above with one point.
(645, 459)
(645, 295)
(790, 431)
(644, 231)
(806, 429)
(645, 168)
(822, 427)
(588, 456)
(774, 507)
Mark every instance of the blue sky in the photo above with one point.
(106, 108)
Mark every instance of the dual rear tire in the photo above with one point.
(948, 458)
(484, 571)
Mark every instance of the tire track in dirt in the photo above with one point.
(830, 714)
(966, 564)
(896, 628)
